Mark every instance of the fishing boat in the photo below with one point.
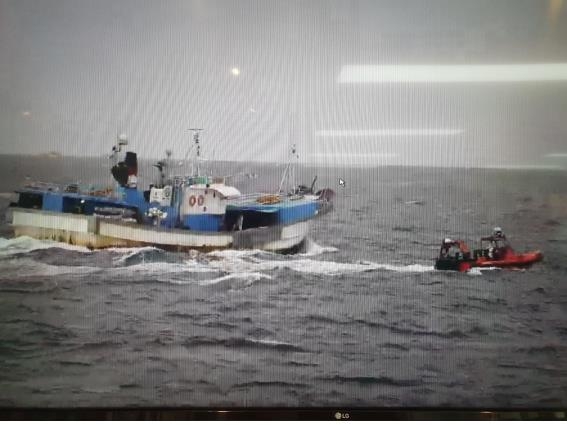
(495, 252)
(177, 213)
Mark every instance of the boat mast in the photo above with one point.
(289, 172)
(196, 135)
(162, 166)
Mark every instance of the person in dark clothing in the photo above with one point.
(499, 245)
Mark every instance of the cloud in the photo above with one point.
(376, 155)
(382, 132)
(453, 73)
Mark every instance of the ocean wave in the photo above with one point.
(20, 268)
(248, 278)
(539, 349)
(239, 253)
(415, 202)
(477, 271)
(248, 270)
(373, 380)
(134, 256)
(183, 271)
(248, 384)
(25, 244)
(242, 343)
(312, 248)
(28, 287)
(133, 250)
(247, 265)
(236, 261)
(411, 268)
(475, 330)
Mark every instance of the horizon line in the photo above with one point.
(322, 163)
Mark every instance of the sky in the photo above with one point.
(398, 82)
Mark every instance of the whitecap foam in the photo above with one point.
(238, 253)
(250, 261)
(410, 268)
(165, 268)
(477, 271)
(25, 244)
(130, 253)
(267, 341)
(248, 278)
(130, 250)
(308, 266)
(312, 248)
(248, 265)
(270, 342)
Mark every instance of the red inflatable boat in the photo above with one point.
(511, 259)
(455, 254)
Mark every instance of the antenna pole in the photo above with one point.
(196, 135)
(288, 172)
(121, 140)
(284, 176)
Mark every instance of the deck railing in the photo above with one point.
(47, 186)
(246, 198)
(70, 188)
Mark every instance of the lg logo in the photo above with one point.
(340, 415)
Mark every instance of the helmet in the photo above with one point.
(497, 231)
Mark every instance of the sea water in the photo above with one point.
(358, 318)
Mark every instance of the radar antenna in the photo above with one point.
(121, 140)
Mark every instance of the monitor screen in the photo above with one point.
(283, 204)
